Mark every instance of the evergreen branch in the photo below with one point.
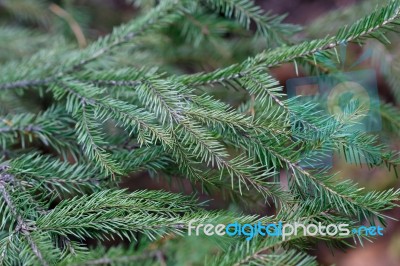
(357, 148)
(185, 160)
(53, 175)
(123, 119)
(265, 88)
(89, 135)
(120, 259)
(118, 255)
(126, 33)
(76, 61)
(133, 120)
(25, 84)
(265, 252)
(343, 195)
(50, 127)
(22, 226)
(245, 11)
(210, 151)
(369, 26)
(120, 213)
(213, 153)
(162, 98)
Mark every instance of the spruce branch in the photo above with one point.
(120, 259)
(22, 226)
(54, 176)
(120, 36)
(90, 136)
(265, 252)
(62, 165)
(50, 127)
(372, 25)
(245, 11)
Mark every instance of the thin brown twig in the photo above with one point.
(73, 24)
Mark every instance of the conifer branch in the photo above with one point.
(76, 123)
(22, 226)
(381, 20)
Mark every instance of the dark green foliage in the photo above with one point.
(127, 104)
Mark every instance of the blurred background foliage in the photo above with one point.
(203, 44)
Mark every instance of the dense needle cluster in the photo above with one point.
(151, 96)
